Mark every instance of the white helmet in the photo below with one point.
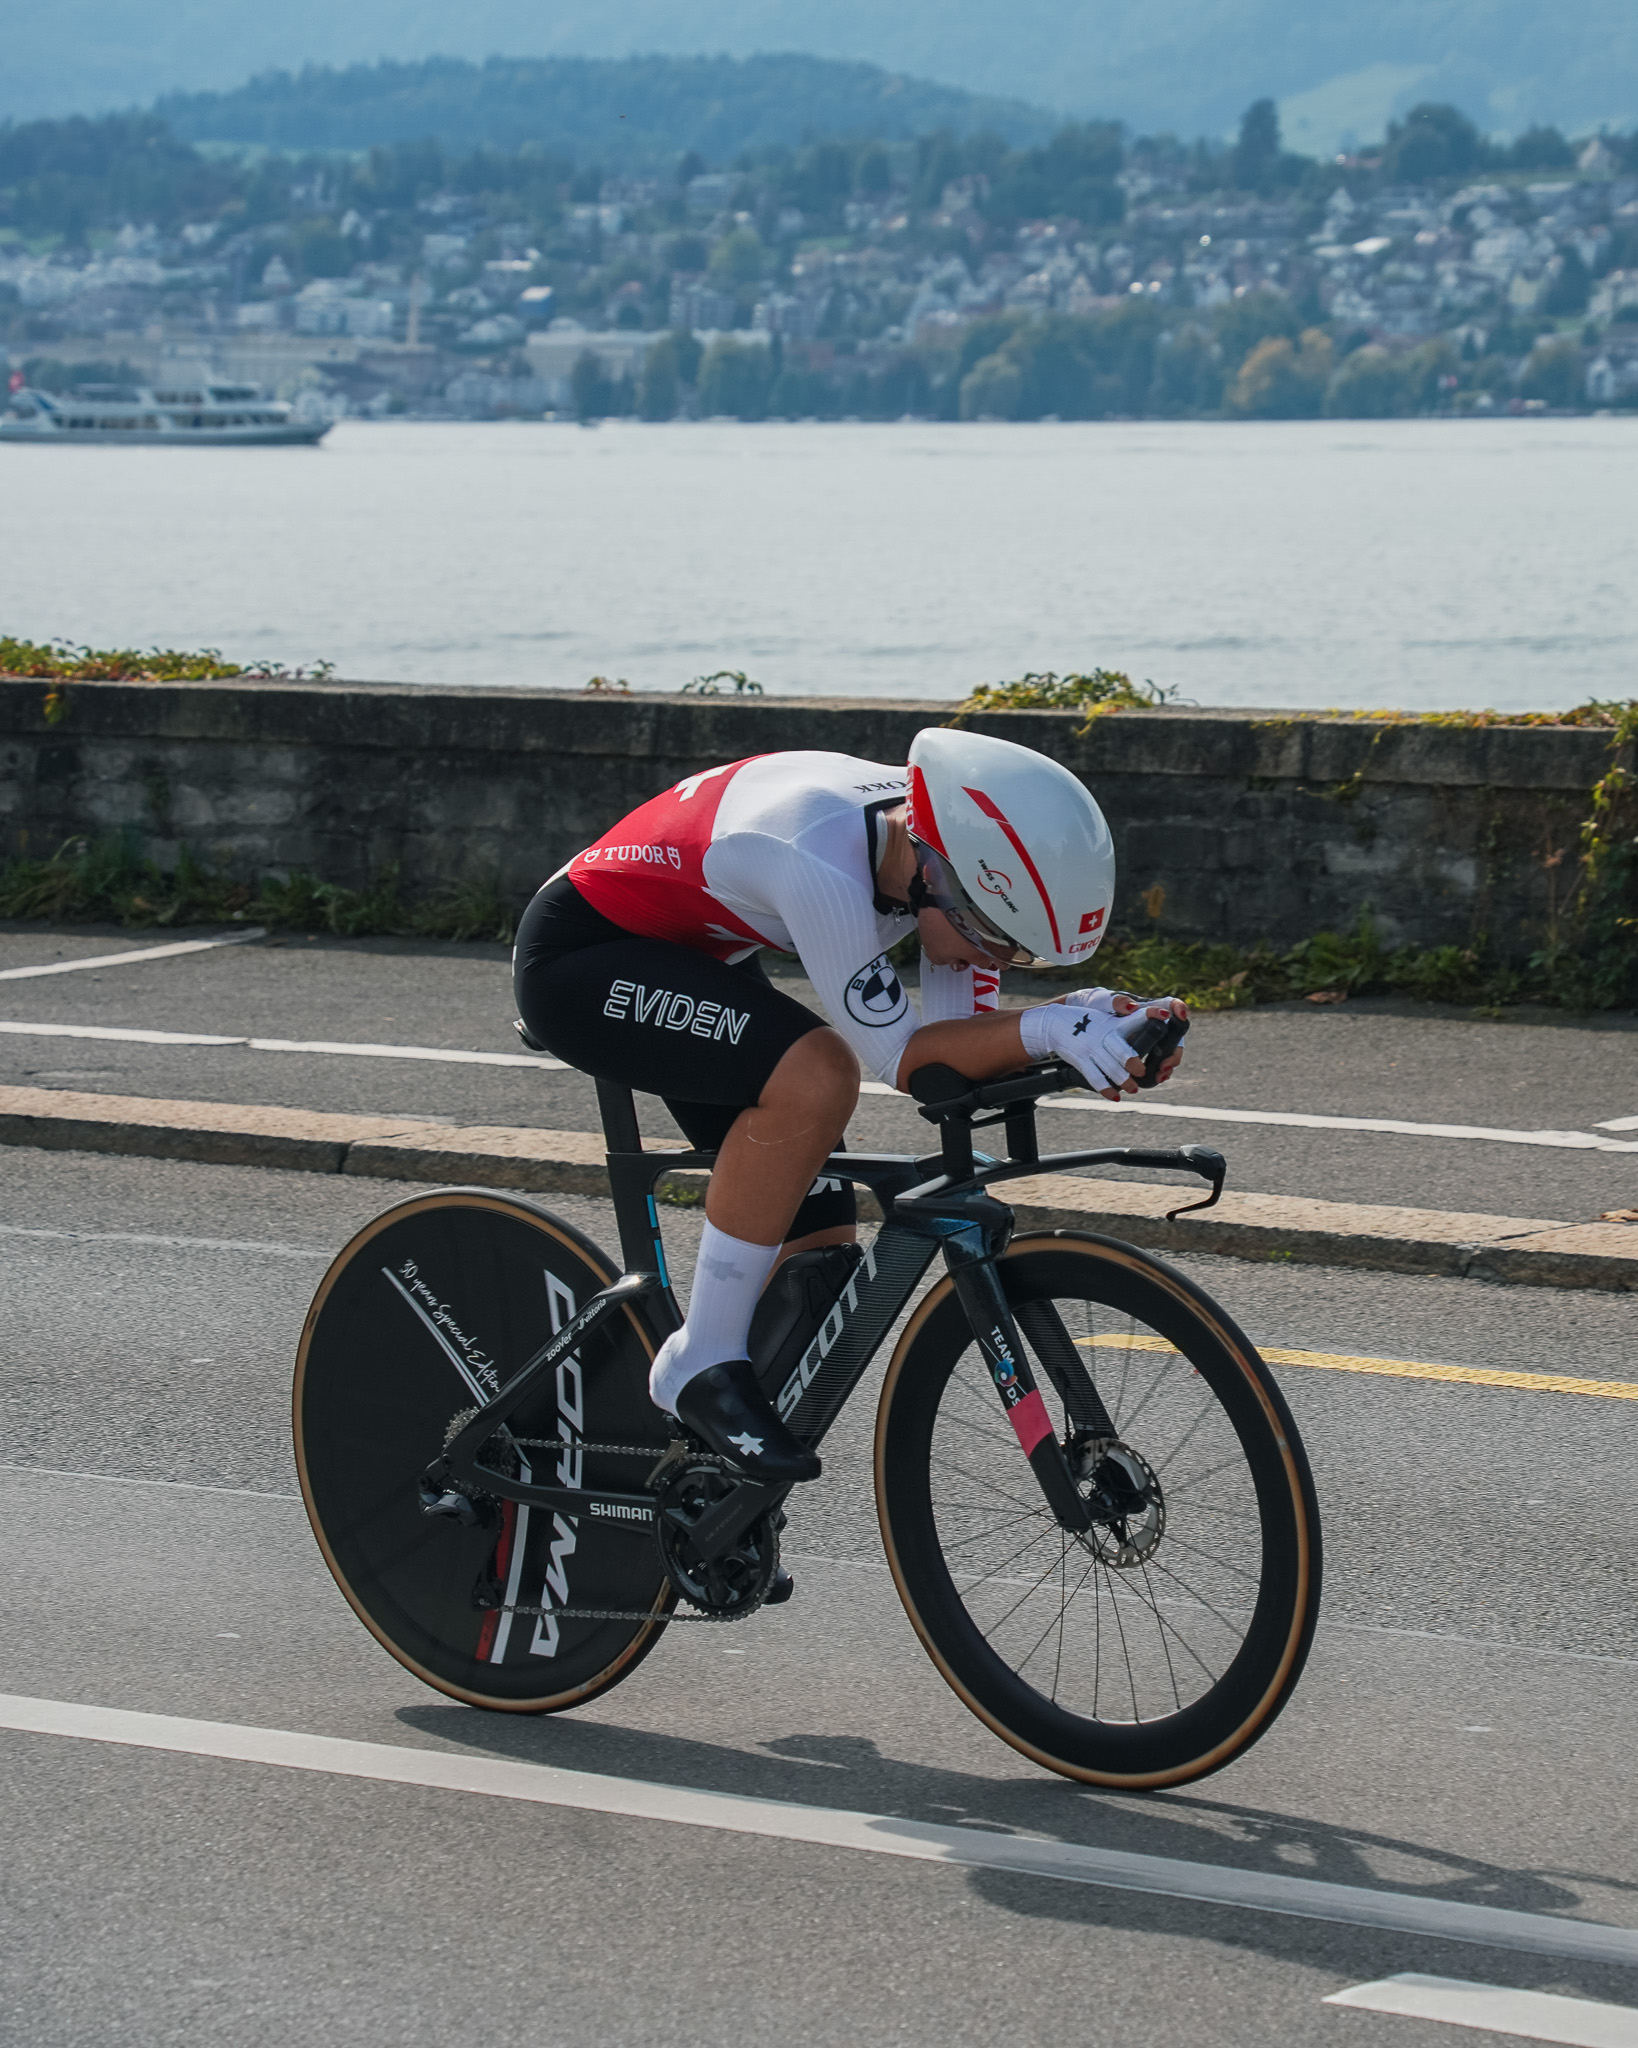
(1012, 848)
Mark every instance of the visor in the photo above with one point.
(941, 890)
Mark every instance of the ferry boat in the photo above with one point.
(183, 413)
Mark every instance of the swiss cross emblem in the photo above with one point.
(1092, 921)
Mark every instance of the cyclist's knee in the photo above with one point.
(819, 1070)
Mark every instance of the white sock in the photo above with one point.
(728, 1277)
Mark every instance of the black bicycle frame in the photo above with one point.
(929, 1205)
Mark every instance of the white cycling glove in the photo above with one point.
(1097, 1048)
(1075, 1030)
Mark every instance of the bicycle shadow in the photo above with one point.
(850, 1772)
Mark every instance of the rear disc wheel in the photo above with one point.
(424, 1316)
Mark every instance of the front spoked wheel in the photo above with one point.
(1162, 1642)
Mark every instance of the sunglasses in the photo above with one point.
(935, 887)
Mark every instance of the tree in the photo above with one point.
(1554, 374)
(1569, 283)
(1188, 374)
(1256, 159)
(1433, 141)
(1540, 149)
(1282, 380)
(1242, 323)
(591, 389)
(992, 389)
(658, 386)
(1370, 385)
(735, 380)
(873, 174)
(689, 349)
(739, 258)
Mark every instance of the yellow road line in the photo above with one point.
(1405, 1369)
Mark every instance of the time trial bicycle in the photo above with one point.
(1093, 1499)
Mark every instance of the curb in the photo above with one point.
(1521, 1250)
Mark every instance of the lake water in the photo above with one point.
(1413, 563)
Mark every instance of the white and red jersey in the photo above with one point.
(776, 851)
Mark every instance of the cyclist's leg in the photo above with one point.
(827, 1214)
(682, 1025)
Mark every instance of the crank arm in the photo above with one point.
(720, 1527)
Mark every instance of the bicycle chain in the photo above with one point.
(557, 1443)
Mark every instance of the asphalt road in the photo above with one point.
(1533, 1071)
(1465, 1729)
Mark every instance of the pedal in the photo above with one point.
(782, 1588)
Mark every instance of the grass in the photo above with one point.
(1355, 963)
(1099, 691)
(62, 661)
(108, 880)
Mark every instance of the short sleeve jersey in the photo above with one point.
(777, 851)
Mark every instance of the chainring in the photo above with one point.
(728, 1586)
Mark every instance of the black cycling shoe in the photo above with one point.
(782, 1588)
(729, 1412)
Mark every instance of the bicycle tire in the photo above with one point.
(427, 1311)
(1221, 1578)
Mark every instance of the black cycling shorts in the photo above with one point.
(664, 1019)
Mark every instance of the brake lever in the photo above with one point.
(1211, 1166)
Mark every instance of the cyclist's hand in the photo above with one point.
(1098, 1046)
(1102, 1051)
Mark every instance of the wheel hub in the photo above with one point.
(1124, 1495)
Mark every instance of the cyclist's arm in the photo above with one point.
(979, 1047)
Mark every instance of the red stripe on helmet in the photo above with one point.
(991, 809)
(923, 825)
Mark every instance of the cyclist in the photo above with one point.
(638, 962)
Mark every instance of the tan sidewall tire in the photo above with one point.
(1279, 1687)
(581, 1248)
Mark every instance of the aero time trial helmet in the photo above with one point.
(1012, 848)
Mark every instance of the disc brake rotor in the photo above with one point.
(1126, 1500)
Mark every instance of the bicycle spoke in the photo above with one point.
(1013, 1609)
(1166, 1649)
(1194, 1550)
(1120, 1627)
(984, 1578)
(1200, 1600)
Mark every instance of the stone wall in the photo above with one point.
(1233, 824)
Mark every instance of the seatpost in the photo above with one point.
(619, 1114)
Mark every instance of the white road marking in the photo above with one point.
(254, 931)
(1573, 1141)
(171, 1485)
(344, 1048)
(334, 1047)
(182, 1244)
(348, 1049)
(1537, 2015)
(832, 1828)
(1620, 1123)
(124, 1034)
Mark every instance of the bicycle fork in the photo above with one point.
(969, 1255)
